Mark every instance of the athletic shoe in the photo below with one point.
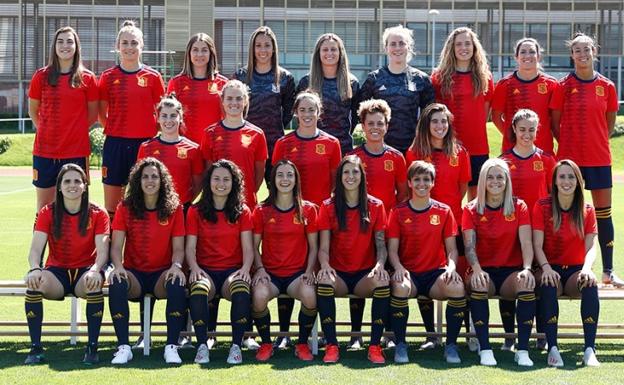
(430, 343)
(139, 344)
(235, 356)
(35, 356)
(508, 345)
(91, 355)
(400, 353)
(212, 341)
(388, 342)
(522, 358)
(473, 344)
(332, 353)
(451, 354)
(302, 352)
(203, 354)
(610, 278)
(487, 357)
(589, 358)
(250, 344)
(541, 344)
(184, 342)
(375, 354)
(122, 355)
(171, 354)
(282, 343)
(265, 352)
(356, 343)
(554, 358)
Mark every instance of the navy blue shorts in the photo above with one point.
(425, 281)
(459, 240)
(597, 178)
(118, 157)
(498, 275)
(352, 279)
(476, 162)
(46, 170)
(282, 283)
(218, 278)
(67, 277)
(566, 272)
(147, 280)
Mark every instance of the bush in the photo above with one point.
(5, 144)
(618, 130)
(96, 137)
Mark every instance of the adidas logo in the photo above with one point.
(574, 91)
(479, 323)
(199, 323)
(294, 149)
(426, 307)
(589, 320)
(483, 219)
(327, 320)
(117, 316)
(31, 314)
(506, 314)
(552, 320)
(175, 314)
(610, 244)
(378, 321)
(516, 91)
(398, 314)
(97, 314)
(459, 315)
(262, 327)
(528, 322)
(241, 321)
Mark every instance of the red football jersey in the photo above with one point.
(284, 237)
(149, 240)
(63, 130)
(201, 100)
(531, 176)
(583, 132)
(132, 98)
(353, 249)
(182, 158)
(450, 173)
(244, 146)
(512, 93)
(469, 113)
(315, 159)
(566, 246)
(384, 172)
(218, 244)
(72, 250)
(498, 244)
(421, 235)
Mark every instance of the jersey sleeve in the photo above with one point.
(465, 173)
(303, 84)
(206, 145)
(556, 101)
(537, 219)
(119, 220)
(490, 90)
(523, 213)
(245, 220)
(90, 82)
(197, 162)
(589, 222)
(178, 229)
(355, 104)
(428, 94)
(450, 226)
(158, 90)
(101, 222)
(549, 166)
(311, 219)
(256, 218)
(323, 218)
(141, 152)
(401, 170)
(366, 91)
(103, 87)
(467, 221)
(393, 229)
(336, 155)
(34, 91)
(410, 157)
(192, 219)
(612, 101)
(261, 151)
(380, 222)
(44, 220)
(499, 96)
(278, 152)
(171, 86)
(288, 100)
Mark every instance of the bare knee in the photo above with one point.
(400, 289)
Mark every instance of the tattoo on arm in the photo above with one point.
(380, 245)
(471, 249)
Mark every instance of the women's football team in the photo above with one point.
(181, 219)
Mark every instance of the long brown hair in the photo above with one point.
(422, 141)
(187, 66)
(297, 198)
(168, 200)
(234, 203)
(251, 57)
(340, 201)
(343, 79)
(54, 66)
(577, 210)
(58, 207)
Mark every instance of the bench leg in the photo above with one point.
(147, 336)
(314, 336)
(439, 318)
(75, 318)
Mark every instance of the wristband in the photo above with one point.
(33, 269)
(543, 264)
(261, 267)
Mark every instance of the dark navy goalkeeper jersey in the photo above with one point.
(406, 93)
(339, 117)
(270, 106)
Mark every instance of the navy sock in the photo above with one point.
(240, 312)
(307, 317)
(284, 312)
(539, 317)
(590, 310)
(507, 311)
(326, 303)
(198, 305)
(176, 311)
(399, 313)
(455, 310)
(213, 313)
(262, 319)
(606, 233)
(481, 317)
(524, 317)
(95, 310)
(118, 304)
(33, 308)
(549, 309)
(356, 311)
(425, 306)
(379, 313)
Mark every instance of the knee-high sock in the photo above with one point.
(455, 310)
(481, 317)
(524, 316)
(176, 311)
(284, 312)
(507, 311)
(539, 316)
(379, 313)
(33, 307)
(549, 309)
(590, 310)
(262, 319)
(425, 306)
(326, 303)
(307, 317)
(356, 311)
(606, 233)
(118, 304)
(198, 304)
(213, 313)
(240, 313)
(95, 310)
(399, 313)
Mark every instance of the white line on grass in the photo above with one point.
(15, 191)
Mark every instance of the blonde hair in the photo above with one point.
(403, 32)
(342, 75)
(372, 106)
(508, 204)
(129, 26)
(237, 84)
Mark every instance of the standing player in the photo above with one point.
(422, 250)
(77, 231)
(352, 255)
(564, 238)
(315, 153)
(463, 82)
(62, 103)
(285, 224)
(497, 238)
(528, 88)
(129, 93)
(198, 86)
(147, 254)
(406, 89)
(584, 109)
(219, 251)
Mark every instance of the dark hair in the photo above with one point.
(58, 206)
(577, 209)
(522, 114)
(54, 67)
(168, 200)
(187, 67)
(340, 198)
(251, 58)
(420, 167)
(297, 199)
(422, 140)
(235, 199)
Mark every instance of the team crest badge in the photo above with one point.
(320, 149)
(245, 140)
(142, 82)
(538, 165)
(600, 91)
(542, 89)
(453, 161)
(182, 153)
(516, 91)
(510, 218)
(434, 219)
(388, 165)
(163, 222)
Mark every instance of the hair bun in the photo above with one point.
(128, 23)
